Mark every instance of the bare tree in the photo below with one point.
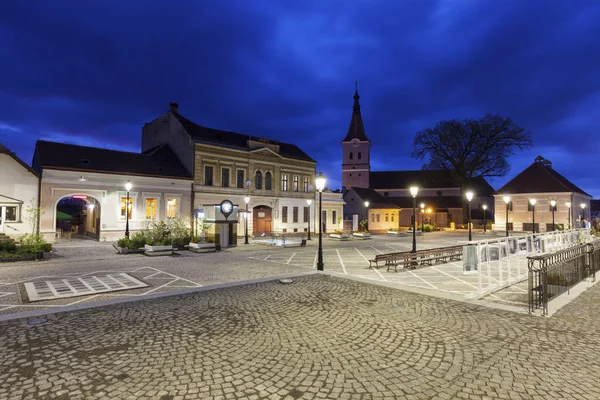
(471, 148)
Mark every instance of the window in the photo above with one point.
(284, 212)
(305, 183)
(350, 156)
(151, 208)
(295, 183)
(392, 217)
(284, 182)
(334, 217)
(225, 177)
(258, 180)
(240, 178)
(172, 208)
(295, 214)
(372, 217)
(208, 176)
(387, 217)
(12, 214)
(359, 155)
(268, 179)
(306, 214)
(124, 207)
(377, 217)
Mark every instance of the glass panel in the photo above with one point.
(208, 176)
(268, 181)
(151, 208)
(124, 205)
(258, 180)
(225, 177)
(306, 183)
(171, 208)
(333, 217)
(284, 214)
(11, 214)
(240, 178)
(295, 214)
(284, 182)
(306, 214)
(295, 184)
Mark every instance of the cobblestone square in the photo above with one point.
(320, 337)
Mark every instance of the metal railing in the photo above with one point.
(551, 275)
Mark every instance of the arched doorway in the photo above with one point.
(261, 220)
(77, 216)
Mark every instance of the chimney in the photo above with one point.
(174, 107)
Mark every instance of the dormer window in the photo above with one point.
(85, 161)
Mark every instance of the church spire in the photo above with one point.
(357, 129)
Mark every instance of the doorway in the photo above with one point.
(78, 216)
(261, 220)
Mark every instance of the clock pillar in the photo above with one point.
(356, 151)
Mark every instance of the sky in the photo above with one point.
(93, 72)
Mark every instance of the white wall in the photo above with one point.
(17, 182)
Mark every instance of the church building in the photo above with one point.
(439, 200)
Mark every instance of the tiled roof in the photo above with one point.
(236, 140)
(435, 202)
(160, 162)
(539, 178)
(375, 199)
(357, 128)
(424, 179)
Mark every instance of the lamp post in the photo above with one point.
(320, 182)
(569, 214)
(582, 205)
(553, 205)
(422, 218)
(507, 201)
(128, 187)
(413, 192)
(484, 208)
(469, 198)
(246, 200)
(309, 202)
(367, 214)
(532, 202)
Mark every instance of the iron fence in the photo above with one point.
(551, 275)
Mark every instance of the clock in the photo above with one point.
(226, 207)
(355, 142)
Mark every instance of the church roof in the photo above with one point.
(375, 199)
(159, 162)
(357, 128)
(219, 137)
(424, 179)
(539, 177)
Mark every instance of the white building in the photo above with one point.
(18, 192)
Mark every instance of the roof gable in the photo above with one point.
(539, 178)
(375, 199)
(5, 150)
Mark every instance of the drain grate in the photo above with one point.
(82, 286)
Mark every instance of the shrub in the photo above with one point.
(124, 242)
(8, 247)
(137, 240)
(47, 247)
(37, 242)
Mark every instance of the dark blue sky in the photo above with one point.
(92, 72)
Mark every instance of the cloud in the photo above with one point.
(96, 71)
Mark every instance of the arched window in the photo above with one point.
(258, 180)
(359, 155)
(268, 180)
(350, 156)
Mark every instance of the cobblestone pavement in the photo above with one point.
(189, 270)
(319, 337)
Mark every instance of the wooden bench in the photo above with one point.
(411, 260)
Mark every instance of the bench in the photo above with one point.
(422, 257)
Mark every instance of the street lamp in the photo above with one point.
(484, 208)
(422, 218)
(568, 204)
(532, 202)
(320, 182)
(413, 192)
(309, 202)
(582, 205)
(128, 187)
(469, 198)
(246, 200)
(553, 205)
(367, 214)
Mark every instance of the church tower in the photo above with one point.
(356, 157)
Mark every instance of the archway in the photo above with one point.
(261, 220)
(77, 216)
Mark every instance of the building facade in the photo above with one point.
(19, 185)
(278, 178)
(541, 182)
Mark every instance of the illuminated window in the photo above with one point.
(306, 184)
(151, 208)
(284, 182)
(124, 206)
(392, 217)
(334, 217)
(295, 183)
(377, 217)
(171, 208)
(387, 217)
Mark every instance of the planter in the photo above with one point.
(342, 236)
(202, 247)
(363, 235)
(127, 250)
(158, 248)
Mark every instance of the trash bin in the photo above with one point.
(39, 254)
